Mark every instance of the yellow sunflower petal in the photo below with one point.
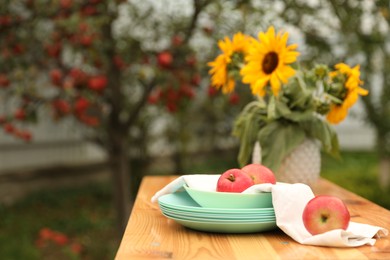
(336, 114)
(219, 67)
(275, 85)
(258, 86)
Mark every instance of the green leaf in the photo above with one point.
(298, 116)
(271, 111)
(321, 130)
(281, 109)
(277, 140)
(246, 127)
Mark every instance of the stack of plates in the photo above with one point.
(184, 210)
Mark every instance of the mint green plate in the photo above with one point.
(242, 216)
(214, 199)
(216, 220)
(238, 228)
(182, 201)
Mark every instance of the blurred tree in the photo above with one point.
(98, 62)
(116, 67)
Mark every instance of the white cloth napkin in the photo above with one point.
(288, 200)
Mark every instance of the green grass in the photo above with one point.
(82, 214)
(85, 214)
(357, 172)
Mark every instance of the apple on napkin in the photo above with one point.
(324, 213)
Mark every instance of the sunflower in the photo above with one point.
(351, 91)
(229, 61)
(268, 61)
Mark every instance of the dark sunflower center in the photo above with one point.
(270, 62)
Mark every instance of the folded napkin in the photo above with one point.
(289, 201)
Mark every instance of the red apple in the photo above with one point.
(165, 59)
(234, 180)
(20, 114)
(56, 76)
(4, 81)
(259, 173)
(98, 83)
(234, 99)
(81, 105)
(324, 213)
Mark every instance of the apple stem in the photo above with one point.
(231, 178)
(324, 218)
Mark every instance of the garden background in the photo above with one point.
(151, 91)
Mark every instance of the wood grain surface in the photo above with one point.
(150, 235)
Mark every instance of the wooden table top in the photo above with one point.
(150, 235)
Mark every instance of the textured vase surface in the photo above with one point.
(302, 165)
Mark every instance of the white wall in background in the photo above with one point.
(53, 144)
(61, 144)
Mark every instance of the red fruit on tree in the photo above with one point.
(98, 83)
(20, 114)
(89, 120)
(8, 128)
(2, 119)
(54, 49)
(5, 20)
(119, 63)
(191, 60)
(177, 40)
(18, 49)
(187, 91)
(46, 233)
(76, 248)
(83, 27)
(56, 77)
(25, 135)
(60, 239)
(81, 105)
(152, 99)
(88, 10)
(171, 95)
(66, 3)
(4, 81)
(196, 80)
(78, 76)
(155, 96)
(61, 106)
(212, 91)
(171, 107)
(234, 99)
(86, 40)
(165, 59)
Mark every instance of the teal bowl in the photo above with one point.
(230, 200)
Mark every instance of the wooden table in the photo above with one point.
(150, 235)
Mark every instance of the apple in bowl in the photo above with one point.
(259, 173)
(234, 180)
(324, 213)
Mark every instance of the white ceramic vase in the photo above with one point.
(302, 165)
